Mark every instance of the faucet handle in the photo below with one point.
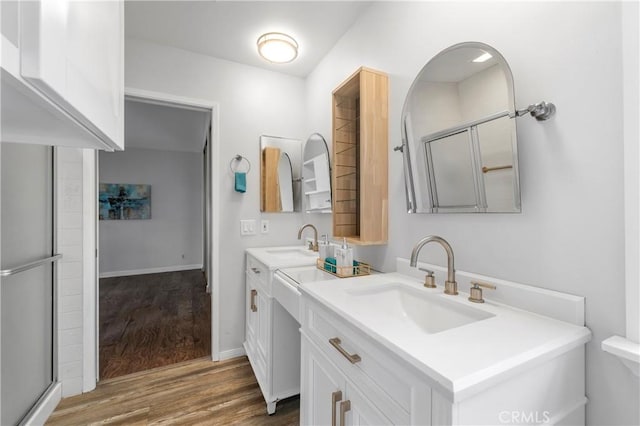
(475, 294)
(429, 279)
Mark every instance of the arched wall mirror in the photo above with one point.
(459, 134)
(316, 175)
(280, 174)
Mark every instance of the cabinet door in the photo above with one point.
(263, 327)
(322, 387)
(251, 316)
(362, 412)
(73, 52)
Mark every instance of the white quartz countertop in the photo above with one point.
(462, 360)
(284, 257)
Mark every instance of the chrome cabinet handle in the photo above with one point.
(255, 270)
(254, 307)
(335, 342)
(344, 407)
(335, 398)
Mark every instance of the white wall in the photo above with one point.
(570, 235)
(252, 102)
(172, 238)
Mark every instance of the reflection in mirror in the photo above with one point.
(316, 175)
(459, 138)
(280, 174)
(285, 181)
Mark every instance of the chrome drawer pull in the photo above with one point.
(335, 398)
(255, 270)
(344, 407)
(254, 307)
(335, 342)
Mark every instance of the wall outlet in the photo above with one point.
(248, 227)
(264, 226)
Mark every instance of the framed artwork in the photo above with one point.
(124, 201)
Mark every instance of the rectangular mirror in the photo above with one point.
(280, 174)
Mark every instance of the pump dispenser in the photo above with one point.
(344, 258)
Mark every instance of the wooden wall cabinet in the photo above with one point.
(360, 158)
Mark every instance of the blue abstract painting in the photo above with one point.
(124, 201)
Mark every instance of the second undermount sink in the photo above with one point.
(291, 251)
(400, 307)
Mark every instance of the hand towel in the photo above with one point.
(330, 261)
(241, 182)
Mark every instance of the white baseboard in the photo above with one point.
(49, 403)
(149, 270)
(232, 353)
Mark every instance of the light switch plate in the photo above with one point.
(248, 227)
(264, 226)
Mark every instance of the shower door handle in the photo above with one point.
(30, 265)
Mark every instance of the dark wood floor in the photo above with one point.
(153, 320)
(199, 392)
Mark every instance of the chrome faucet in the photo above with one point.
(312, 246)
(450, 286)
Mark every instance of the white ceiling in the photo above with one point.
(229, 29)
(166, 128)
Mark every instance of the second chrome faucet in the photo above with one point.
(450, 285)
(312, 246)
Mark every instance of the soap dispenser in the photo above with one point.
(344, 258)
(323, 247)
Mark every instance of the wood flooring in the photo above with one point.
(153, 320)
(199, 392)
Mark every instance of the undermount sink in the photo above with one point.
(289, 251)
(397, 306)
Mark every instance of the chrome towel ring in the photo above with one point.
(238, 161)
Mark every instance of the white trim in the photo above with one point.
(627, 351)
(232, 353)
(40, 415)
(161, 269)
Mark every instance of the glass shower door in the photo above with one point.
(27, 290)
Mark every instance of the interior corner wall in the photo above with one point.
(252, 102)
(570, 234)
(172, 238)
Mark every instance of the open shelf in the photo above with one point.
(360, 151)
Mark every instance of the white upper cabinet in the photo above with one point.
(71, 54)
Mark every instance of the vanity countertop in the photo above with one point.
(465, 359)
(284, 257)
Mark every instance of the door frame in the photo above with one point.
(159, 98)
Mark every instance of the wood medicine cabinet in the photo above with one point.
(360, 158)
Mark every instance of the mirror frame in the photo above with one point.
(422, 201)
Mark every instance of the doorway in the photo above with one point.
(156, 277)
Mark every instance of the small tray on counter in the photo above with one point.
(343, 271)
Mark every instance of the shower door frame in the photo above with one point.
(52, 395)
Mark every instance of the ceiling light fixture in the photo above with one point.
(278, 48)
(483, 58)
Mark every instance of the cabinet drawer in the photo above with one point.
(257, 270)
(388, 384)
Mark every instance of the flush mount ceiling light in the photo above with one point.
(483, 58)
(278, 48)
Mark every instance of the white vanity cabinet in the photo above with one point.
(63, 73)
(272, 339)
(378, 388)
(486, 373)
